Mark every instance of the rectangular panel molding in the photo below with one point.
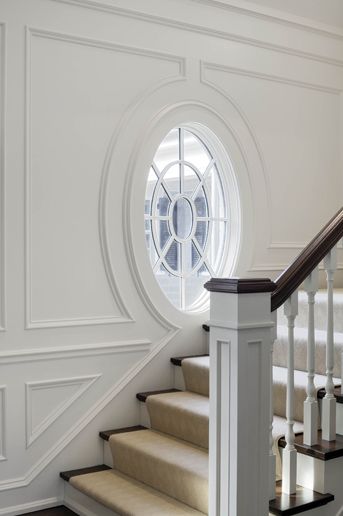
(2, 173)
(3, 423)
(83, 315)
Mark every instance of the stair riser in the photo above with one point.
(179, 382)
(339, 418)
(83, 504)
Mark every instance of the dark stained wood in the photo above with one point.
(61, 510)
(177, 361)
(307, 260)
(66, 475)
(240, 285)
(324, 450)
(106, 434)
(337, 392)
(142, 396)
(303, 500)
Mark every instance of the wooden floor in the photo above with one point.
(55, 511)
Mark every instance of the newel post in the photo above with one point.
(240, 339)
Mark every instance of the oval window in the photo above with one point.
(186, 216)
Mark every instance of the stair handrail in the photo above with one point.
(309, 258)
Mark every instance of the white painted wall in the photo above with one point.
(88, 90)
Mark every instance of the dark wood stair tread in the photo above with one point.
(303, 500)
(106, 434)
(142, 396)
(324, 450)
(337, 392)
(66, 475)
(178, 360)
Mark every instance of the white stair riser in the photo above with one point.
(108, 460)
(83, 504)
(323, 477)
(144, 418)
(179, 382)
(339, 418)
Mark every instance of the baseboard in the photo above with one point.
(83, 505)
(16, 510)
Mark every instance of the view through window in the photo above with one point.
(186, 216)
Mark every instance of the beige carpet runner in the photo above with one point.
(163, 471)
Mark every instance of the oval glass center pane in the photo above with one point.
(182, 218)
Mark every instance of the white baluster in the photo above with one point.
(272, 458)
(310, 404)
(329, 402)
(289, 456)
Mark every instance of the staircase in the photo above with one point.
(160, 467)
(293, 400)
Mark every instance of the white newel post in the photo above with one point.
(329, 401)
(240, 343)
(311, 286)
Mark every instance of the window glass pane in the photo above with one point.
(170, 285)
(201, 233)
(195, 151)
(173, 257)
(200, 202)
(194, 286)
(191, 181)
(215, 249)
(182, 218)
(163, 202)
(171, 180)
(215, 194)
(168, 151)
(162, 233)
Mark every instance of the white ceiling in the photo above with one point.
(329, 12)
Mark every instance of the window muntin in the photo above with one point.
(186, 216)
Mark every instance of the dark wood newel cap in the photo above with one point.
(240, 285)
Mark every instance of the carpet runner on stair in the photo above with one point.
(163, 470)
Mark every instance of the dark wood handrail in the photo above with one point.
(307, 260)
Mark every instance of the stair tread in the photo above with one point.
(183, 414)
(66, 475)
(303, 500)
(106, 434)
(324, 450)
(142, 396)
(178, 360)
(170, 465)
(128, 497)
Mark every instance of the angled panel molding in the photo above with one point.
(102, 6)
(3, 79)
(124, 316)
(81, 383)
(65, 439)
(3, 422)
